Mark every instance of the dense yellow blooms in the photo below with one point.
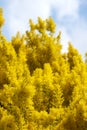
(41, 88)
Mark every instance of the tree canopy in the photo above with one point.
(41, 88)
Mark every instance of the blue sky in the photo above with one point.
(70, 17)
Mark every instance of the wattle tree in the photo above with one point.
(41, 88)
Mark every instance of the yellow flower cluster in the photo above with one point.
(41, 88)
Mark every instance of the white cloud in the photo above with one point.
(21, 10)
(79, 36)
(67, 8)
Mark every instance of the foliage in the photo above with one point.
(41, 88)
